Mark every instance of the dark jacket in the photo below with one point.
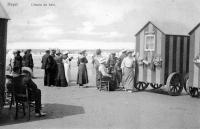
(44, 60)
(111, 62)
(28, 61)
(50, 64)
(17, 64)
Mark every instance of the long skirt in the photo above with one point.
(49, 78)
(60, 79)
(128, 78)
(82, 77)
(98, 77)
(67, 72)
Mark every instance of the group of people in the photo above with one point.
(17, 61)
(56, 67)
(22, 68)
(118, 71)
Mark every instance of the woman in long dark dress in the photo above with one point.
(17, 64)
(82, 77)
(60, 79)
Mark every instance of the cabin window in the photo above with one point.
(149, 42)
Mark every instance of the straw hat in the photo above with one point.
(102, 60)
(47, 50)
(14, 51)
(129, 51)
(82, 52)
(27, 69)
(66, 52)
(124, 51)
(58, 51)
(134, 53)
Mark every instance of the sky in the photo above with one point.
(91, 24)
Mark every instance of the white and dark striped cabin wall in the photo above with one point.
(173, 49)
(176, 55)
(145, 73)
(194, 71)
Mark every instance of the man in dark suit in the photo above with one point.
(33, 90)
(44, 61)
(50, 68)
(28, 59)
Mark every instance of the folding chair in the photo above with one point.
(104, 83)
(22, 97)
(9, 91)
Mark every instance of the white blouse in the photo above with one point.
(128, 62)
(103, 70)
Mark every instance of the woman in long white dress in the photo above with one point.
(67, 66)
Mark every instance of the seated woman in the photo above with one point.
(105, 75)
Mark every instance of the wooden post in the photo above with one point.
(3, 44)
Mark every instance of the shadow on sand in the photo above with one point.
(54, 111)
(163, 92)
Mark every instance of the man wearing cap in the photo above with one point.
(111, 62)
(47, 65)
(55, 67)
(27, 60)
(53, 53)
(32, 90)
(118, 65)
(105, 74)
(44, 58)
(17, 62)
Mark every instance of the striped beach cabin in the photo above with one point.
(3, 41)
(194, 65)
(163, 56)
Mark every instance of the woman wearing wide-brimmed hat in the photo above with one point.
(128, 71)
(60, 78)
(82, 77)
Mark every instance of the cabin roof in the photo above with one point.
(168, 28)
(194, 28)
(3, 13)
